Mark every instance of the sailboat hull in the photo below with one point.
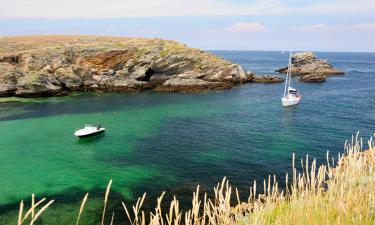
(290, 101)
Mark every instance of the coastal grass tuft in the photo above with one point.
(341, 192)
(82, 207)
(106, 200)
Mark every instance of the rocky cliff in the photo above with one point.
(55, 65)
(310, 68)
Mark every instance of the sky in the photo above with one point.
(321, 25)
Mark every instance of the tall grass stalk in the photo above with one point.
(106, 200)
(82, 207)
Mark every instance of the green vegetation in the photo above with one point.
(336, 193)
(163, 53)
(20, 100)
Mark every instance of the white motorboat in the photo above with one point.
(291, 95)
(89, 131)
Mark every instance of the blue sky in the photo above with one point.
(331, 25)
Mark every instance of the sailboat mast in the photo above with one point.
(287, 81)
(290, 66)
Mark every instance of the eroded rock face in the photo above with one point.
(38, 85)
(8, 79)
(68, 79)
(178, 84)
(53, 65)
(312, 69)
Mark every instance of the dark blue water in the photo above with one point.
(162, 141)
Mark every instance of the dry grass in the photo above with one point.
(344, 194)
(335, 193)
(82, 207)
(48, 44)
(35, 43)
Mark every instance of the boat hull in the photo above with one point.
(290, 101)
(90, 134)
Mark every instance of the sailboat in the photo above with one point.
(291, 95)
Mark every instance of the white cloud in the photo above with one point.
(246, 27)
(154, 8)
(366, 26)
(313, 27)
(341, 7)
(134, 8)
(324, 27)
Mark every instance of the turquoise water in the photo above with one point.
(160, 141)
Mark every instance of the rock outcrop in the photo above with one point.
(264, 79)
(55, 65)
(8, 79)
(313, 78)
(310, 68)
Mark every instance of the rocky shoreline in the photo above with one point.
(40, 66)
(44, 66)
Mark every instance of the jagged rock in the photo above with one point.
(7, 89)
(107, 72)
(306, 63)
(47, 69)
(313, 78)
(82, 63)
(8, 79)
(264, 79)
(100, 78)
(252, 77)
(105, 59)
(128, 85)
(231, 74)
(57, 63)
(238, 74)
(12, 59)
(68, 79)
(38, 85)
(158, 79)
(267, 79)
(177, 84)
(140, 73)
(34, 62)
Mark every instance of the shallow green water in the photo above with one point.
(156, 142)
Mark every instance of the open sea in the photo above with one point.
(159, 142)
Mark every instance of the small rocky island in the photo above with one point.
(264, 78)
(36, 66)
(310, 68)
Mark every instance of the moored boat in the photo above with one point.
(293, 98)
(89, 131)
(291, 95)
